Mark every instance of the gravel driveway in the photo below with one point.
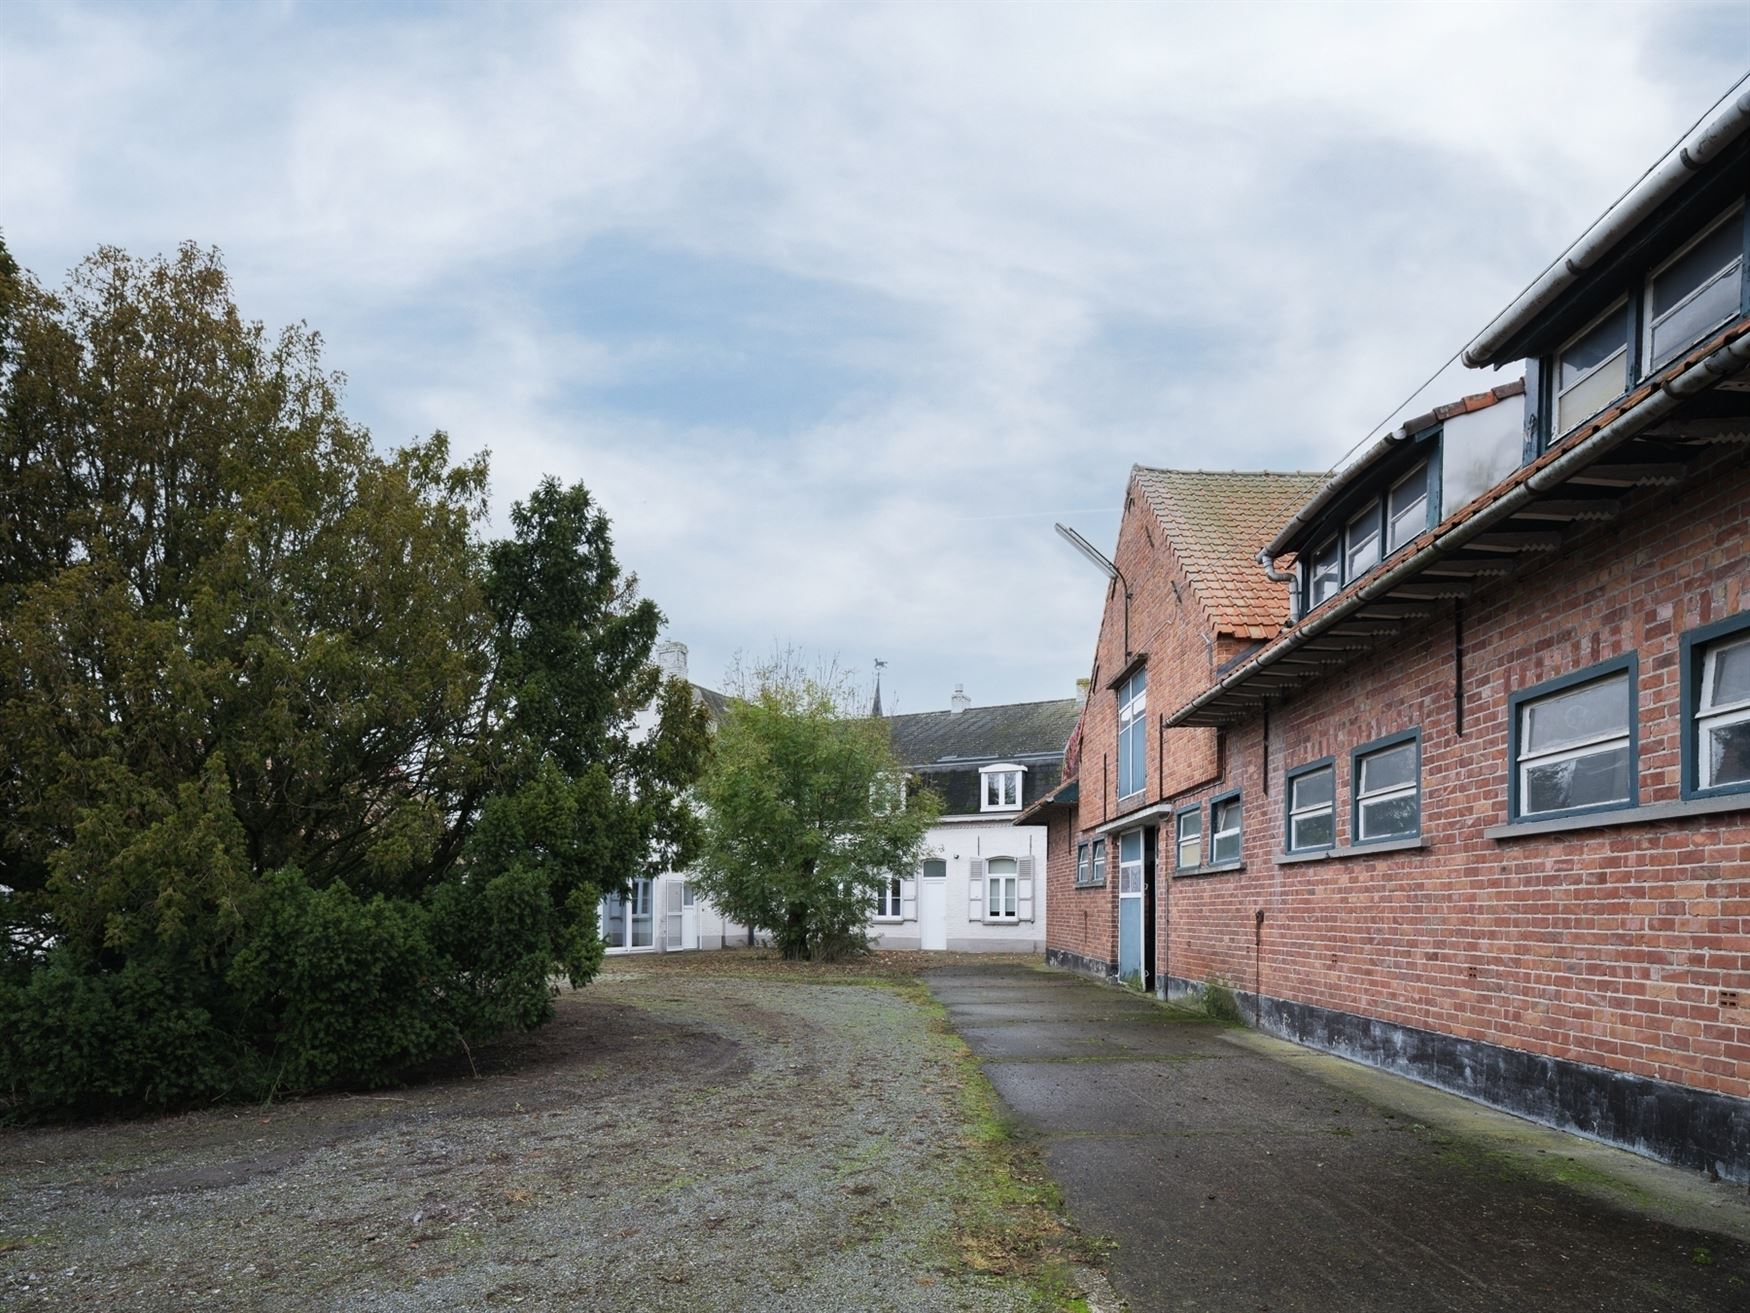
(675, 1139)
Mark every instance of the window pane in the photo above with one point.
(1327, 573)
(1188, 852)
(1477, 451)
(1387, 818)
(1585, 781)
(1583, 713)
(1728, 754)
(935, 868)
(1388, 769)
(1099, 859)
(1729, 674)
(1226, 849)
(1314, 830)
(1130, 846)
(1363, 553)
(1313, 789)
(1689, 324)
(1001, 866)
(1226, 815)
(1593, 395)
(1700, 265)
(1605, 339)
(1408, 508)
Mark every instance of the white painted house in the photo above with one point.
(982, 885)
(665, 914)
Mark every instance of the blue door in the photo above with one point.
(1130, 910)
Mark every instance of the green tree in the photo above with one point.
(298, 770)
(806, 813)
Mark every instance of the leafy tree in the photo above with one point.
(803, 812)
(302, 779)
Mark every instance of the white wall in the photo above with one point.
(958, 843)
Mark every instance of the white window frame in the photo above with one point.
(1083, 868)
(1708, 717)
(1180, 839)
(1653, 362)
(1296, 813)
(1392, 541)
(1132, 720)
(994, 882)
(1364, 795)
(1000, 778)
(1097, 862)
(1526, 760)
(1236, 831)
(890, 900)
(1558, 427)
(1130, 872)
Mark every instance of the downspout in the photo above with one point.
(1723, 363)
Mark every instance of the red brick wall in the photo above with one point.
(1169, 624)
(1081, 921)
(1605, 946)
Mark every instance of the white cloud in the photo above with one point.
(1044, 241)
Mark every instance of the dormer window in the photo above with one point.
(1697, 289)
(1406, 509)
(1361, 542)
(1002, 787)
(1592, 369)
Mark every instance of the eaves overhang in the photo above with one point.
(1066, 794)
(1647, 438)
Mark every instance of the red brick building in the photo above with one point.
(1445, 761)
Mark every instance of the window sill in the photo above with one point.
(1658, 811)
(1091, 884)
(1352, 850)
(1216, 868)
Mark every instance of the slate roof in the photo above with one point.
(716, 703)
(1217, 521)
(981, 735)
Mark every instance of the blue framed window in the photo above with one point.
(1407, 507)
(1133, 735)
(1716, 708)
(1224, 829)
(1386, 779)
(1695, 290)
(1188, 839)
(1574, 743)
(1311, 822)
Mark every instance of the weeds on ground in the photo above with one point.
(1010, 1219)
(1219, 1003)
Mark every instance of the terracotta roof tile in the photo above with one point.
(1217, 522)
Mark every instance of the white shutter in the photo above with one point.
(1024, 889)
(975, 890)
(908, 900)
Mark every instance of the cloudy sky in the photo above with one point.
(837, 307)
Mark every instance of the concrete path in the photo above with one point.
(1237, 1173)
